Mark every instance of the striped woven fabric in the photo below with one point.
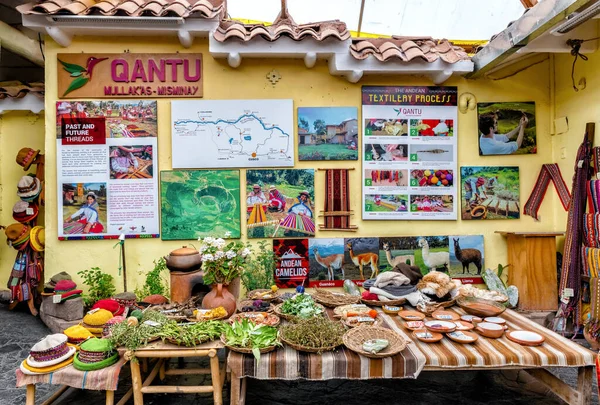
(337, 199)
(555, 351)
(289, 364)
(593, 195)
(105, 379)
(591, 230)
(590, 258)
(549, 172)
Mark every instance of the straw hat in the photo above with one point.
(26, 156)
(37, 238)
(24, 211)
(271, 187)
(95, 354)
(29, 187)
(50, 351)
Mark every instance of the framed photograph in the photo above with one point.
(326, 257)
(490, 192)
(84, 208)
(466, 258)
(327, 133)
(199, 203)
(506, 128)
(280, 203)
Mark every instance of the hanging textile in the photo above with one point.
(570, 277)
(549, 172)
(596, 160)
(337, 200)
(593, 195)
(591, 230)
(590, 261)
(593, 326)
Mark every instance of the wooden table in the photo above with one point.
(446, 355)
(532, 257)
(165, 351)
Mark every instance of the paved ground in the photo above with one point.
(19, 331)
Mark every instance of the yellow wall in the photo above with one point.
(308, 87)
(18, 129)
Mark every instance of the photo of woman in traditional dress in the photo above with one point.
(88, 217)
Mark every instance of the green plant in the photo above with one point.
(100, 285)
(259, 269)
(221, 261)
(156, 281)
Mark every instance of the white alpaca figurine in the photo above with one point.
(435, 259)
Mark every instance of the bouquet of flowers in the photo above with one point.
(222, 261)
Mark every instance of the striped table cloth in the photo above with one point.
(286, 363)
(105, 379)
(556, 351)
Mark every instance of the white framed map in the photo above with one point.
(232, 133)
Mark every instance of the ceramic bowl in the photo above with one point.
(490, 330)
(480, 307)
(525, 338)
(462, 325)
(463, 336)
(427, 336)
(391, 310)
(443, 315)
(414, 325)
(495, 319)
(411, 315)
(471, 318)
(440, 326)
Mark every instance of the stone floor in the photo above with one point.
(19, 331)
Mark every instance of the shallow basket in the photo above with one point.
(306, 349)
(378, 322)
(248, 303)
(382, 303)
(241, 315)
(333, 300)
(338, 311)
(251, 295)
(174, 342)
(287, 317)
(355, 337)
(246, 350)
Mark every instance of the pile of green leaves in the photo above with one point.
(100, 285)
(192, 334)
(246, 334)
(133, 337)
(156, 281)
(316, 333)
(259, 268)
(302, 306)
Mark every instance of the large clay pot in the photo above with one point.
(220, 296)
(184, 259)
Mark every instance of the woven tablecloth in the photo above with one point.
(556, 351)
(288, 364)
(105, 379)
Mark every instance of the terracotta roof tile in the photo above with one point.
(16, 89)
(178, 8)
(407, 49)
(284, 25)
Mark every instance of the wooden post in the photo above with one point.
(136, 379)
(30, 396)
(15, 41)
(216, 378)
(110, 397)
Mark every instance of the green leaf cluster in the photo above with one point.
(302, 306)
(246, 334)
(100, 285)
(259, 268)
(156, 280)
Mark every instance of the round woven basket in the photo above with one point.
(339, 311)
(252, 295)
(248, 303)
(378, 322)
(355, 337)
(382, 303)
(306, 349)
(242, 315)
(333, 300)
(246, 350)
(287, 317)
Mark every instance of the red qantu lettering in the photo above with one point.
(122, 72)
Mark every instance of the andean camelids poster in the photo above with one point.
(409, 153)
(107, 169)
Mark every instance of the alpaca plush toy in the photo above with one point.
(437, 286)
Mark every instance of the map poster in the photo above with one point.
(292, 266)
(107, 169)
(209, 134)
(409, 153)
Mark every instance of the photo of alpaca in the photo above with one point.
(467, 256)
(331, 263)
(434, 260)
(362, 259)
(394, 261)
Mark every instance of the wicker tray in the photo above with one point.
(355, 337)
(242, 315)
(247, 303)
(309, 349)
(339, 311)
(333, 300)
(378, 322)
(251, 295)
(246, 350)
(382, 303)
(287, 317)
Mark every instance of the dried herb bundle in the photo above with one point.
(315, 333)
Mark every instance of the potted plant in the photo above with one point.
(221, 263)
(259, 269)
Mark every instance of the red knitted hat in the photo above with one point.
(64, 286)
(110, 305)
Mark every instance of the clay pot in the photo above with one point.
(220, 296)
(490, 330)
(594, 343)
(184, 259)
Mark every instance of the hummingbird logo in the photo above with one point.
(81, 74)
(398, 111)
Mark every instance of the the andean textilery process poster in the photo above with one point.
(409, 153)
(107, 169)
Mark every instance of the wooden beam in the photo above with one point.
(528, 3)
(558, 386)
(15, 41)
